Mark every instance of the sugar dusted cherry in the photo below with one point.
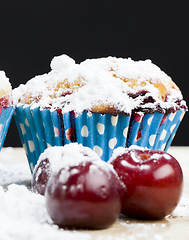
(153, 182)
(84, 192)
(48, 161)
(41, 176)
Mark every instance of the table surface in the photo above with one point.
(175, 226)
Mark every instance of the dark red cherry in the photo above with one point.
(41, 176)
(153, 182)
(84, 196)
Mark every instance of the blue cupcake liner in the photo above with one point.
(38, 130)
(155, 131)
(103, 133)
(5, 119)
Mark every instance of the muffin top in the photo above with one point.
(105, 85)
(5, 90)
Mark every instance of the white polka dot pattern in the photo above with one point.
(112, 143)
(152, 140)
(114, 120)
(171, 116)
(182, 115)
(105, 132)
(31, 146)
(40, 129)
(125, 131)
(162, 137)
(84, 131)
(98, 150)
(22, 128)
(48, 145)
(56, 131)
(155, 131)
(163, 147)
(37, 136)
(172, 128)
(150, 120)
(26, 122)
(31, 166)
(100, 128)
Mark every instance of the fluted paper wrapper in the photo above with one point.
(103, 133)
(5, 119)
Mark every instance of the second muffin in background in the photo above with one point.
(101, 103)
(6, 106)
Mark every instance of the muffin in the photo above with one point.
(101, 103)
(6, 106)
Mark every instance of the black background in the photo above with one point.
(33, 32)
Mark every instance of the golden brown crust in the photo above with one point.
(104, 108)
(65, 87)
(158, 84)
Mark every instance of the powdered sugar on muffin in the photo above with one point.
(104, 85)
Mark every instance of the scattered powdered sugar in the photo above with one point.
(182, 210)
(141, 231)
(23, 216)
(97, 81)
(12, 170)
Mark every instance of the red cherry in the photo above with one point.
(46, 164)
(41, 176)
(84, 196)
(153, 182)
